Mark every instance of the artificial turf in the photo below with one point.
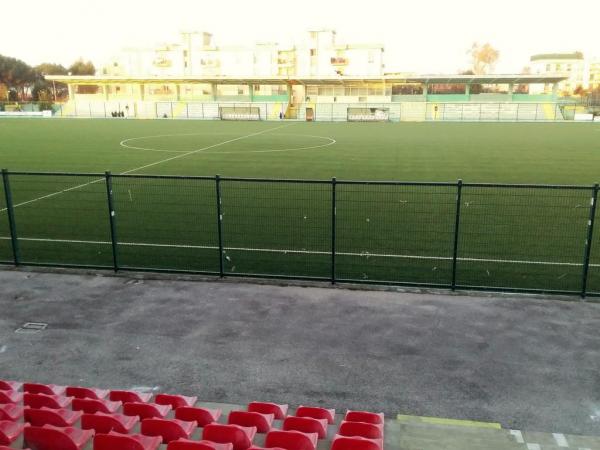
(523, 238)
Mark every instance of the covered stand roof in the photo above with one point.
(341, 80)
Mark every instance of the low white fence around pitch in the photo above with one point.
(324, 112)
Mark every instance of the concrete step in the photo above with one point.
(424, 433)
(556, 441)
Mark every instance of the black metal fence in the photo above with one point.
(523, 238)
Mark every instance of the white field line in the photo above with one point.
(303, 252)
(162, 161)
(331, 141)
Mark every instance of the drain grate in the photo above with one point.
(31, 327)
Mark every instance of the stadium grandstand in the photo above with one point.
(340, 98)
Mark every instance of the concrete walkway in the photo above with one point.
(527, 363)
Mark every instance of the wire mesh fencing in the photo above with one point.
(528, 238)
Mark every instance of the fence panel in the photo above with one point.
(166, 223)
(395, 233)
(277, 228)
(62, 220)
(594, 270)
(6, 255)
(522, 238)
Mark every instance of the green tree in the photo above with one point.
(81, 67)
(16, 75)
(44, 90)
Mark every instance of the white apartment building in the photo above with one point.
(319, 55)
(571, 65)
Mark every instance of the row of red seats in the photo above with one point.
(49, 421)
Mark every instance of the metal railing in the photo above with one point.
(500, 237)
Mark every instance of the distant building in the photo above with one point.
(595, 73)
(320, 55)
(571, 65)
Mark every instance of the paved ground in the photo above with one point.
(527, 363)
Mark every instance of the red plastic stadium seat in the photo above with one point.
(262, 422)
(10, 431)
(48, 416)
(11, 411)
(48, 389)
(362, 429)
(364, 416)
(306, 425)
(240, 437)
(90, 406)
(10, 397)
(291, 440)
(176, 401)
(38, 401)
(53, 438)
(168, 430)
(85, 392)
(202, 416)
(129, 397)
(105, 423)
(316, 413)
(146, 410)
(355, 443)
(279, 411)
(10, 385)
(254, 447)
(117, 441)
(185, 444)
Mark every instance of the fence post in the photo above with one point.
(588, 242)
(333, 227)
(219, 225)
(11, 217)
(111, 219)
(456, 231)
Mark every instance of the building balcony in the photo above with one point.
(286, 62)
(162, 62)
(210, 63)
(339, 61)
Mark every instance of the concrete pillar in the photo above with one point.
(425, 89)
(467, 90)
(142, 91)
(511, 88)
(554, 90)
(105, 91)
(72, 92)
(290, 94)
(178, 92)
(214, 91)
(251, 92)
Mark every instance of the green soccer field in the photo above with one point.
(476, 152)
(511, 237)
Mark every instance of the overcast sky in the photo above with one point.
(426, 37)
